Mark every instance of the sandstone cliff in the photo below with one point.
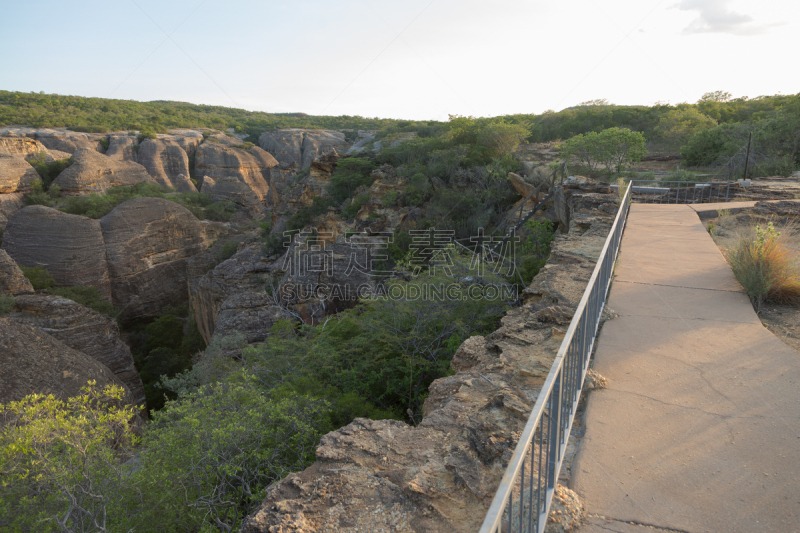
(92, 172)
(148, 241)
(84, 330)
(68, 141)
(31, 361)
(251, 167)
(20, 146)
(442, 474)
(16, 174)
(12, 280)
(167, 163)
(298, 147)
(121, 147)
(70, 247)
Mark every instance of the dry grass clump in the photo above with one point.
(766, 267)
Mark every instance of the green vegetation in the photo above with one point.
(6, 303)
(40, 278)
(48, 171)
(613, 149)
(534, 248)
(766, 267)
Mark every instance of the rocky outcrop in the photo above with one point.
(31, 361)
(70, 247)
(69, 141)
(12, 280)
(121, 147)
(442, 474)
(251, 166)
(167, 163)
(233, 189)
(20, 146)
(298, 147)
(189, 140)
(16, 174)
(10, 204)
(92, 172)
(148, 241)
(84, 330)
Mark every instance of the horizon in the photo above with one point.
(418, 60)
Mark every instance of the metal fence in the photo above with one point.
(680, 192)
(522, 501)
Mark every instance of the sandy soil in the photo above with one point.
(782, 320)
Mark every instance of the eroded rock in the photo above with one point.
(251, 167)
(93, 172)
(16, 174)
(298, 147)
(167, 163)
(12, 280)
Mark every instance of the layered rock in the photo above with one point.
(251, 167)
(70, 247)
(298, 147)
(69, 141)
(167, 163)
(10, 204)
(93, 172)
(12, 280)
(121, 147)
(31, 361)
(16, 174)
(82, 329)
(20, 146)
(442, 474)
(189, 140)
(233, 189)
(148, 241)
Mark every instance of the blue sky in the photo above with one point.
(417, 59)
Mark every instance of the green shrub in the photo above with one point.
(39, 277)
(49, 171)
(354, 207)
(6, 303)
(38, 196)
(227, 250)
(350, 174)
(767, 268)
(88, 296)
(390, 198)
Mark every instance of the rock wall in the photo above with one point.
(442, 474)
(16, 174)
(121, 147)
(148, 241)
(251, 167)
(93, 172)
(167, 162)
(68, 141)
(31, 361)
(298, 147)
(20, 146)
(70, 247)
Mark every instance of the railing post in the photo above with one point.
(555, 424)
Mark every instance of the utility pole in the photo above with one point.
(747, 157)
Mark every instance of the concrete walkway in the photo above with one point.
(699, 427)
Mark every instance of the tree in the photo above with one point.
(680, 124)
(501, 138)
(715, 96)
(613, 149)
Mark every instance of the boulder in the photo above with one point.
(70, 247)
(148, 241)
(82, 329)
(189, 140)
(93, 172)
(12, 280)
(167, 163)
(16, 174)
(298, 147)
(31, 361)
(251, 167)
(20, 146)
(231, 188)
(69, 141)
(10, 204)
(121, 148)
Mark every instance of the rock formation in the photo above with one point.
(442, 474)
(68, 141)
(121, 147)
(12, 280)
(92, 172)
(20, 146)
(31, 361)
(251, 167)
(70, 247)
(84, 330)
(16, 174)
(298, 147)
(231, 188)
(167, 163)
(148, 241)
(10, 204)
(189, 140)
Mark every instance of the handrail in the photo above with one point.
(551, 420)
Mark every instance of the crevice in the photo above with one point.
(634, 523)
(678, 286)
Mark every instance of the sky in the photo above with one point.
(407, 59)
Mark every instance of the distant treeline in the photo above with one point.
(710, 132)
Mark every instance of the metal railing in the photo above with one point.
(522, 501)
(681, 192)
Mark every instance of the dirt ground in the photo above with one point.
(782, 320)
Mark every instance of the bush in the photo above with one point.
(614, 148)
(39, 277)
(88, 296)
(38, 196)
(49, 171)
(766, 267)
(6, 303)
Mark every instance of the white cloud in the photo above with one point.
(715, 16)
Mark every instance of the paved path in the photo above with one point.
(699, 428)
